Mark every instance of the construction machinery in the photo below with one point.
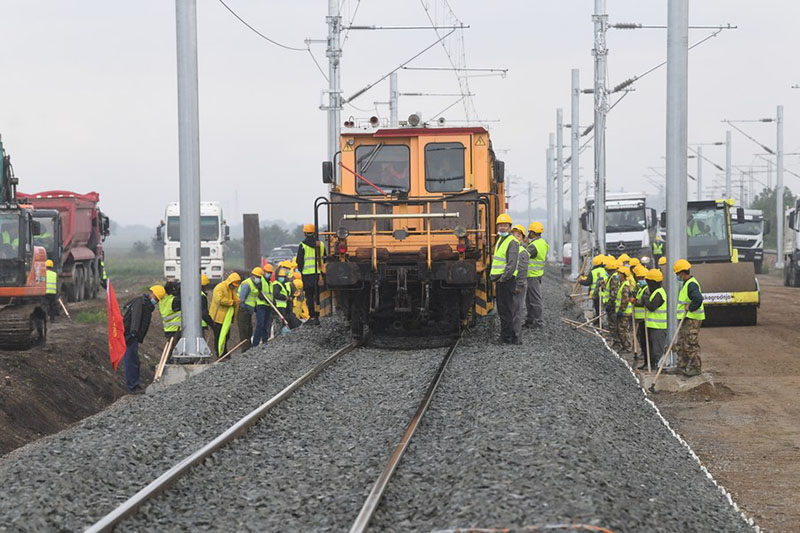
(72, 233)
(23, 271)
(731, 295)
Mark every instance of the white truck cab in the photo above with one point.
(748, 236)
(630, 225)
(213, 234)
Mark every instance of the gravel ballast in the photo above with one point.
(555, 431)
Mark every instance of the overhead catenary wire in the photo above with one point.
(273, 41)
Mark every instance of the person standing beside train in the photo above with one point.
(518, 232)
(537, 248)
(503, 273)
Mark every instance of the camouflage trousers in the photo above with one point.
(610, 324)
(623, 332)
(689, 347)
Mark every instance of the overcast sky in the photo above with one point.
(88, 91)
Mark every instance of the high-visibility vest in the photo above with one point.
(500, 256)
(171, 319)
(639, 311)
(204, 297)
(7, 239)
(683, 301)
(52, 282)
(282, 301)
(693, 230)
(628, 311)
(598, 273)
(536, 266)
(310, 258)
(605, 292)
(657, 319)
(254, 297)
(658, 247)
(103, 274)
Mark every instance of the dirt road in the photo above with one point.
(747, 431)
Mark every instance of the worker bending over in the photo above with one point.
(503, 273)
(136, 316)
(537, 248)
(310, 255)
(655, 318)
(521, 280)
(224, 303)
(690, 305)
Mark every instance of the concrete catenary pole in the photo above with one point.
(677, 134)
(574, 184)
(550, 229)
(558, 244)
(334, 54)
(600, 52)
(191, 343)
(393, 121)
(728, 167)
(699, 172)
(779, 191)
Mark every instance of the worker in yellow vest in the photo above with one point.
(639, 311)
(624, 309)
(51, 291)
(690, 305)
(503, 273)
(310, 260)
(537, 249)
(169, 306)
(655, 318)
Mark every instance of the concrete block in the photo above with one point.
(175, 374)
(673, 382)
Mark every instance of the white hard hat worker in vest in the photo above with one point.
(310, 260)
(503, 274)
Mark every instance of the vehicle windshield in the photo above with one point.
(620, 220)
(707, 233)
(209, 228)
(386, 166)
(444, 167)
(746, 228)
(9, 235)
(45, 238)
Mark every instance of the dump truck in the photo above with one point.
(748, 236)
(791, 246)
(73, 232)
(630, 226)
(23, 272)
(731, 294)
(214, 231)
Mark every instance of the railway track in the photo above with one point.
(181, 469)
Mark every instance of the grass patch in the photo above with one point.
(123, 267)
(97, 316)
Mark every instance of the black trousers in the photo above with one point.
(505, 309)
(310, 288)
(52, 305)
(596, 305)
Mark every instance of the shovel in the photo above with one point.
(285, 328)
(64, 307)
(669, 349)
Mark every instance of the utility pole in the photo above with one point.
(559, 241)
(575, 177)
(551, 230)
(699, 172)
(393, 100)
(192, 344)
(600, 52)
(677, 126)
(334, 53)
(728, 154)
(779, 191)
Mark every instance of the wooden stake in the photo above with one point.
(647, 344)
(163, 361)
(231, 351)
(64, 307)
(635, 345)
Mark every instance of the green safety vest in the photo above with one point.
(103, 274)
(683, 300)
(628, 311)
(52, 282)
(254, 297)
(7, 239)
(283, 287)
(604, 292)
(639, 311)
(597, 273)
(693, 230)
(536, 267)
(310, 258)
(171, 319)
(500, 252)
(657, 319)
(658, 248)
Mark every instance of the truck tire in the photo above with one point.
(78, 282)
(787, 266)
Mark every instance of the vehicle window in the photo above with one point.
(707, 233)
(9, 236)
(746, 228)
(386, 166)
(444, 167)
(620, 220)
(45, 238)
(209, 228)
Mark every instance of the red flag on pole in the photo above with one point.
(116, 329)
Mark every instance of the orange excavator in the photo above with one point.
(23, 270)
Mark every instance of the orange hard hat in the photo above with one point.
(309, 228)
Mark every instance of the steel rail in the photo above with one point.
(129, 507)
(375, 495)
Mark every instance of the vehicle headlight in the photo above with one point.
(216, 267)
(342, 232)
(460, 232)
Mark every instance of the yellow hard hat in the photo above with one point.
(654, 274)
(520, 228)
(639, 271)
(610, 263)
(634, 261)
(624, 257)
(536, 227)
(159, 291)
(203, 280)
(662, 261)
(624, 270)
(597, 260)
(504, 218)
(309, 228)
(257, 271)
(681, 265)
(282, 272)
(285, 264)
(49, 263)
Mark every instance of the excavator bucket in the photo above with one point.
(730, 293)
